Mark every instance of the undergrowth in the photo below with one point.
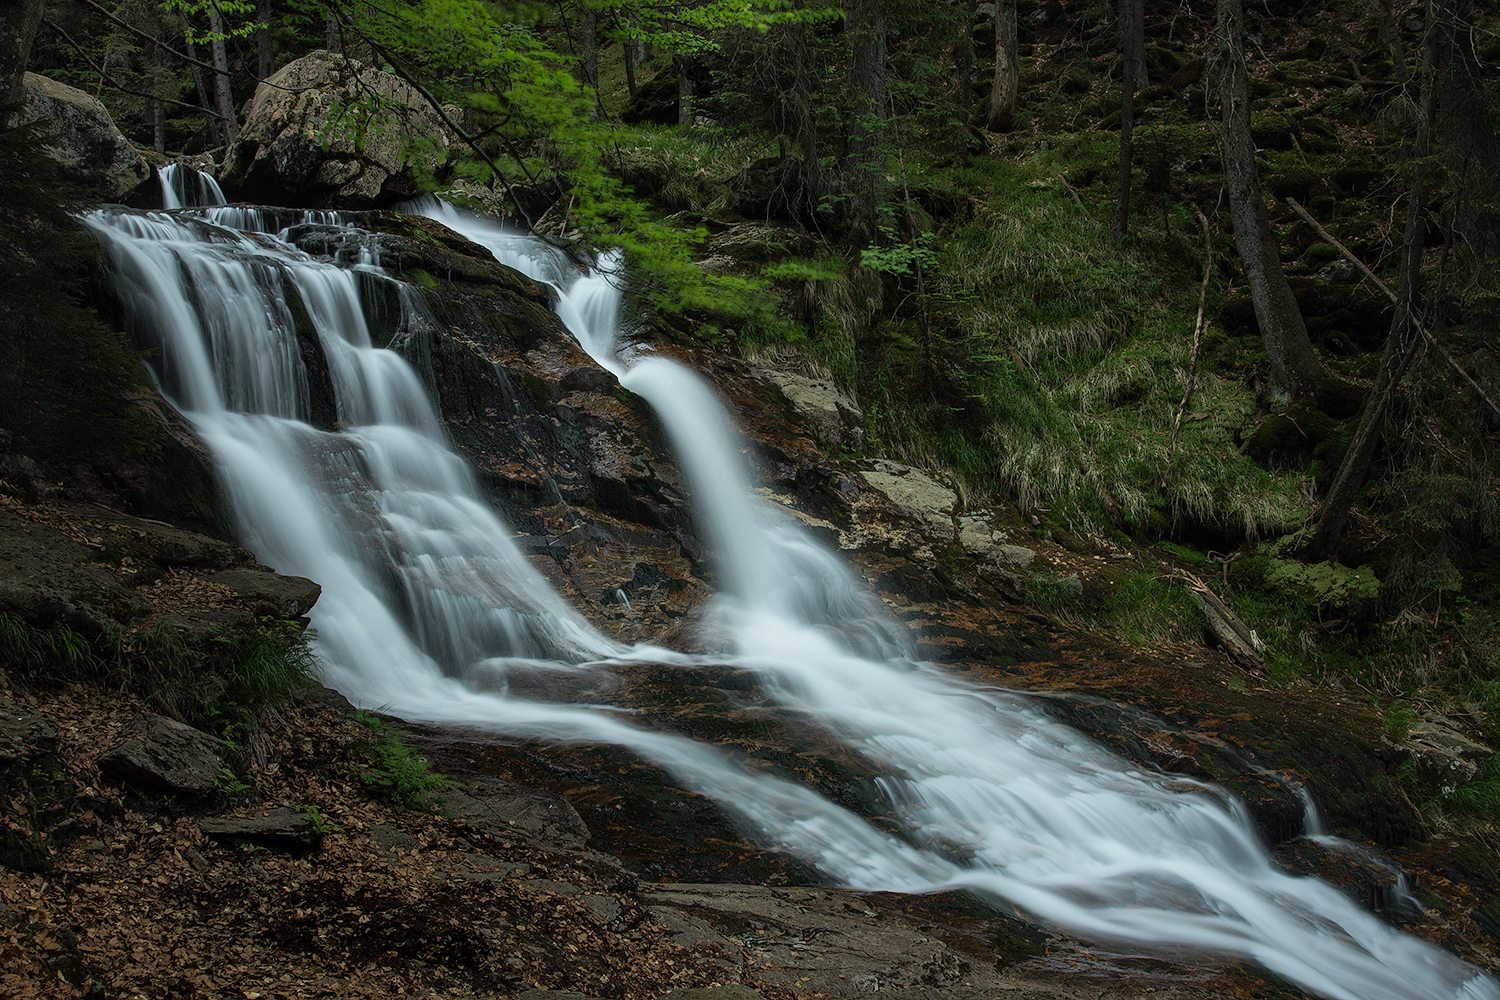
(395, 773)
(224, 685)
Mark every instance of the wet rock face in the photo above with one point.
(300, 146)
(576, 463)
(84, 140)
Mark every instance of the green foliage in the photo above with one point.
(320, 826)
(223, 685)
(1137, 607)
(233, 790)
(895, 257)
(57, 650)
(1398, 721)
(397, 774)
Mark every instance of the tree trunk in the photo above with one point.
(265, 45)
(1132, 44)
(18, 23)
(799, 120)
(682, 65)
(222, 89)
(630, 61)
(210, 117)
(1007, 69)
(588, 56)
(963, 62)
(333, 38)
(1294, 368)
(1402, 342)
(864, 33)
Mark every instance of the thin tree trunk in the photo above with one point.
(265, 45)
(681, 64)
(222, 88)
(963, 61)
(1132, 42)
(210, 116)
(800, 120)
(1007, 69)
(333, 38)
(588, 51)
(864, 32)
(630, 61)
(1295, 372)
(1402, 342)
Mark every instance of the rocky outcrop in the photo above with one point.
(99, 571)
(83, 138)
(167, 756)
(834, 418)
(311, 138)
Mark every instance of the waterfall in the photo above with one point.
(429, 608)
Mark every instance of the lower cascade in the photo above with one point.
(428, 606)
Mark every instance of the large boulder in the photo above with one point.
(83, 138)
(313, 139)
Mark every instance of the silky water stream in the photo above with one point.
(428, 605)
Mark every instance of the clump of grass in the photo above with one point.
(58, 650)
(223, 682)
(396, 774)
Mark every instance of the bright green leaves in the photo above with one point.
(228, 8)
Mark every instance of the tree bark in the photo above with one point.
(333, 38)
(629, 48)
(1007, 69)
(864, 33)
(265, 45)
(222, 90)
(963, 62)
(799, 119)
(588, 56)
(18, 23)
(681, 64)
(1402, 342)
(210, 116)
(1132, 44)
(1295, 372)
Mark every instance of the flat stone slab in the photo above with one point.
(506, 810)
(168, 756)
(272, 594)
(816, 941)
(282, 823)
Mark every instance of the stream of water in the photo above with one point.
(428, 606)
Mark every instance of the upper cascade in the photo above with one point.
(431, 611)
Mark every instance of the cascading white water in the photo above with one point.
(184, 187)
(427, 605)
